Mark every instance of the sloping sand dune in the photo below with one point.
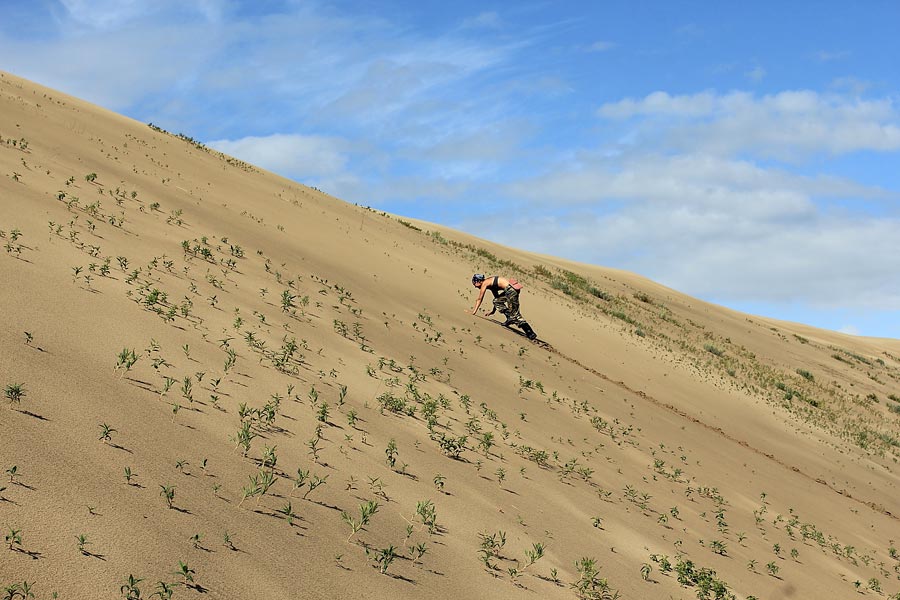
(272, 357)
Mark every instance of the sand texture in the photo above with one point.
(276, 358)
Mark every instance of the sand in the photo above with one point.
(653, 428)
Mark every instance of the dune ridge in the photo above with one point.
(222, 383)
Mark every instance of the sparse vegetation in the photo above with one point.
(633, 443)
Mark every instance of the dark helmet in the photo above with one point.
(477, 279)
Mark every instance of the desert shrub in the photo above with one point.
(713, 350)
(805, 374)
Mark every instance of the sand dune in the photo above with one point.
(177, 322)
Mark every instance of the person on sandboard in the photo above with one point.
(506, 299)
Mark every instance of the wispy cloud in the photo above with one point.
(600, 46)
(693, 180)
(786, 125)
(298, 156)
(756, 74)
(735, 245)
(488, 19)
(829, 56)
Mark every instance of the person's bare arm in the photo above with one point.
(480, 297)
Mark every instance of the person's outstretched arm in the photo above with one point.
(480, 297)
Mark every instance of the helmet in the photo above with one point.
(477, 278)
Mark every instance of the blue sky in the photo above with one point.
(744, 153)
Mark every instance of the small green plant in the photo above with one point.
(417, 551)
(300, 480)
(106, 433)
(439, 482)
(451, 446)
(82, 541)
(718, 547)
(13, 538)
(501, 475)
(589, 585)
(314, 449)
(126, 359)
(535, 554)
(187, 387)
(185, 572)
(426, 511)
(164, 590)
(391, 453)
(288, 511)
(314, 482)
(383, 558)
(168, 382)
(168, 492)
(20, 590)
(130, 589)
(14, 392)
(490, 547)
(366, 510)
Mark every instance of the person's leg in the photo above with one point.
(500, 305)
(513, 317)
(529, 332)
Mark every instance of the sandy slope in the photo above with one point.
(657, 426)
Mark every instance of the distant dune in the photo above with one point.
(220, 383)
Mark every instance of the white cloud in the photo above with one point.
(787, 125)
(485, 20)
(829, 56)
(352, 188)
(713, 227)
(849, 330)
(601, 46)
(756, 74)
(690, 179)
(313, 65)
(102, 14)
(110, 14)
(115, 69)
(300, 156)
(662, 104)
(851, 85)
(726, 251)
